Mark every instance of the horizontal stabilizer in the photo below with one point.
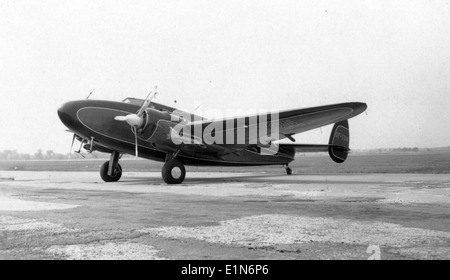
(310, 148)
(337, 148)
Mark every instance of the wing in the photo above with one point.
(290, 122)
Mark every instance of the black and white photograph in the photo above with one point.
(209, 130)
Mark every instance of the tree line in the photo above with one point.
(43, 155)
(51, 155)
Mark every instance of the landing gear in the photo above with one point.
(111, 171)
(173, 172)
(288, 170)
(114, 177)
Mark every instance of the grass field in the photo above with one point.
(424, 163)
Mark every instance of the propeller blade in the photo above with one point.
(135, 142)
(147, 103)
(71, 146)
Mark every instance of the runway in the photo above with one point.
(224, 215)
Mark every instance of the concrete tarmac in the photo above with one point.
(75, 215)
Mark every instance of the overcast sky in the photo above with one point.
(393, 55)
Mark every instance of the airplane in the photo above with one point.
(162, 133)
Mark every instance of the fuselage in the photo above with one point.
(94, 121)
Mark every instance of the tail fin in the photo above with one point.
(339, 142)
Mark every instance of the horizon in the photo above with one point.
(392, 149)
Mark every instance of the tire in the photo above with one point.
(288, 171)
(104, 173)
(173, 172)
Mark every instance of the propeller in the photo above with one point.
(137, 120)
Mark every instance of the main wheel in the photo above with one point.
(173, 172)
(116, 174)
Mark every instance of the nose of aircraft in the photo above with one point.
(67, 114)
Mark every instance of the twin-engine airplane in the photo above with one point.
(162, 133)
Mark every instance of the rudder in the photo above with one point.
(339, 142)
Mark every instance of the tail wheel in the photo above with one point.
(173, 172)
(288, 170)
(114, 177)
